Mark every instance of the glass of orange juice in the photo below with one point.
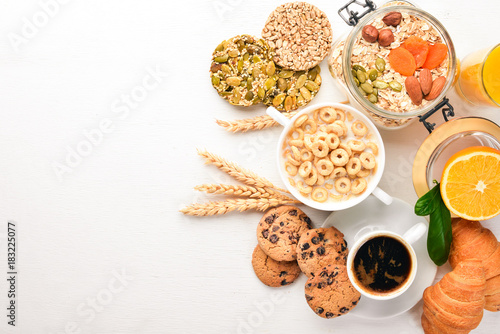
(479, 81)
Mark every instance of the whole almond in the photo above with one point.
(392, 18)
(385, 37)
(413, 89)
(425, 79)
(437, 87)
(369, 33)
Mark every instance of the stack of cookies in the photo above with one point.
(288, 246)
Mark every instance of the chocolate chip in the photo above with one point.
(311, 254)
(284, 282)
(273, 238)
(337, 258)
(304, 255)
(265, 234)
(292, 212)
(282, 224)
(309, 298)
(344, 246)
(315, 240)
(283, 273)
(323, 273)
(320, 285)
(321, 236)
(320, 250)
(329, 315)
(309, 285)
(270, 219)
(355, 302)
(329, 281)
(305, 246)
(320, 310)
(344, 310)
(306, 219)
(275, 228)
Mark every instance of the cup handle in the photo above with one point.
(415, 233)
(382, 196)
(277, 116)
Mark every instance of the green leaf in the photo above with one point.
(429, 202)
(439, 236)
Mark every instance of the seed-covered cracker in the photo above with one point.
(239, 67)
(287, 90)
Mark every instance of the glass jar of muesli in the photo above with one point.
(389, 105)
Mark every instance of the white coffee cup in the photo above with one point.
(406, 240)
(374, 179)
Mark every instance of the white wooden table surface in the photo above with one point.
(103, 105)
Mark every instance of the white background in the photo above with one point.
(115, 212)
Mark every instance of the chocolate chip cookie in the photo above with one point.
(273, 273)
(320, 247)
(330, 293)
(279, 231)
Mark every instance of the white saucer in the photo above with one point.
(372, 215)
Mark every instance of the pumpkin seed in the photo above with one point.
(249, 96)
(288, 103)
(226, 69)
(256, 59)
(359, 68)
(318, 69)
(301, 81)
(285, 74)
(311, 75)
(215, 80)
(372, 98)
(380, 65)
(279, 99)
(375, 91)
(240, 66)
(361, 76)
(269, 84)
(292, 91)
(221, 59)
(233, 53)
(220, 47)
(380, 84)
(311, 85)
(233, 81)
(261, 93)
(354, 73)
(246, 56)
(282, 85)
(256, 72)
(305, 93)
(356, 81)
(318, 80)
(367, 87)
(373, 74)
(270, 69)
(249, 84)
(395, 86)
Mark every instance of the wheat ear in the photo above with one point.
(243, 191)
(241, 174)
(223, 207)
(256, 123)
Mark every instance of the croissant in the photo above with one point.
(455, 304)
(472, 240)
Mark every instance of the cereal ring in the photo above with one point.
(344, 127)
(320, 149)
(339, 157)
(358, 186)
(353, 167)
(340, 115)
(296, 153)
(300, 120)
(346, 148)
(304, 189)
(372, 146)
(309, 126)
(329, 186)
(305, 169)
(336, 129)
(291, 160)
(291, 181)
(316, 114)
(356, 145)
(320, 136)
(328, 114)
(296, 133)
(368, 160)
(343, 185)
(359, 128)
(319, 194)
(321, 180)
(332, 140)
(363, 172)
(324, 166)
(308, 142)
(306, 155)
(312, 177)
(290, 169)
(296, 142)
(338, 172)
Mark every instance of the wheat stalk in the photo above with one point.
(223, 207)
(256, 123)
(243, 191)
(241, 174)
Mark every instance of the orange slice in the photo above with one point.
(470, 185)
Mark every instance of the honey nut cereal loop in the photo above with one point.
(363, 172)
(324, 166)
(353, 167)
(332, 140)
(372, 146)
(358, 186)
(305, 169)
(356, 145)
(339, 157)
(359, 128)
(306, 155)
(340, 115)
(346, 148)
(290, 169)
(296, 142)
(319, 194)
(328, 114)
(368, 160)
(343, 126)
(300, 120)
(308, 142)
(296, 153)
(299, 132)
(311, 179)
(291, 160)
(320, 149)
(321, 180)
(335, 129)
(309, 126)
(343, 185)
(304, 189)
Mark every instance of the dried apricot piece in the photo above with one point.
(437, 53)
(418, 48)
(402, 61)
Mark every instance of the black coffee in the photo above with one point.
(382, 264)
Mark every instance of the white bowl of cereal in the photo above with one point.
(330, 156)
